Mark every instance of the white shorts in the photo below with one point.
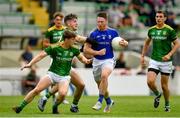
(56, 78)
(98, 65)
(164, 67)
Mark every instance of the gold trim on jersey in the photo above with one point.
(54, 27)
(165, 25)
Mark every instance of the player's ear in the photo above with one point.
(165, 18)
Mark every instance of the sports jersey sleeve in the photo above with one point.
(149, 34)
(76, 52)
(172, 35)
(47, 34)
(116, 34)
(49, 50)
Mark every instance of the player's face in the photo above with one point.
(160, 18)
(73, 24)
(101, 23)
(58, 21)
(70, 41)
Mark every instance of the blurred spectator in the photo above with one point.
(102, 5)
(176, 62)
(171, 20)
(30, 81)
(142, 70)
(115, 13)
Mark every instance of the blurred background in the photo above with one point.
(24, 22)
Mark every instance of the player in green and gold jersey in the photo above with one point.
(162, 37)
(71, 22)
(58, 73)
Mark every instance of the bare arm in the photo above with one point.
(146, 46)
(144, 50)
(81, 39)
(88, 50)
(83, 59)
(46, 43)
(36, 59)
(175, 47)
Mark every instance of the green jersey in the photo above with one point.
(54, 34)
(162, 39)
(62, 59)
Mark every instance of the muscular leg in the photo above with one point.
(62, 92)
(104, 80)
(164, 85)
(151, 78)
(42, 84)
(79, 84)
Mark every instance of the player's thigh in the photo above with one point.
(63, 87)
(106, 71)
(75, 78)
(43, 83)
(107, 68)
(97, 72)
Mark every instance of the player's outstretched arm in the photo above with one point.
(36, 59)
(83, 59)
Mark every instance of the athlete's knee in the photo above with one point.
(62, 93)
(150, 82)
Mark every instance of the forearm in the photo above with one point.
(37, 58)
(174, 49)
(145, 47)
(81, 39)
(82, 58)
(88, 50)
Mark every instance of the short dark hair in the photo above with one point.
(68, 34)
(162, 12)
(58, 14)
(70, 17)
(103, 15)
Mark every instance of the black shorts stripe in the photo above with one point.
(154, 70)
(167, 74)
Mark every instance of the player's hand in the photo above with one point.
(102, 51)
(88, 61)
(166, 57)
(123, 43)
(26, 66)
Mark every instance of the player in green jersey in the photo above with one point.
(162, 37)
(62, 55)
(71, 23)
(54, 33)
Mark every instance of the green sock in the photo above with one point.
(23, 104)
(75, 101)
(166, 103)
(48, 95)
(56, 104)
(156, 92)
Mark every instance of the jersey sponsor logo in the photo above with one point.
(159, 37)
(158, 32)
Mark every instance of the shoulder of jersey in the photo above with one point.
(169, 27)
(53, 27)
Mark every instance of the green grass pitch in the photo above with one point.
(125, 106)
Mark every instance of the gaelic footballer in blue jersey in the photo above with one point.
(103, 61)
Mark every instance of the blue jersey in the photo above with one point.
(104, 39)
